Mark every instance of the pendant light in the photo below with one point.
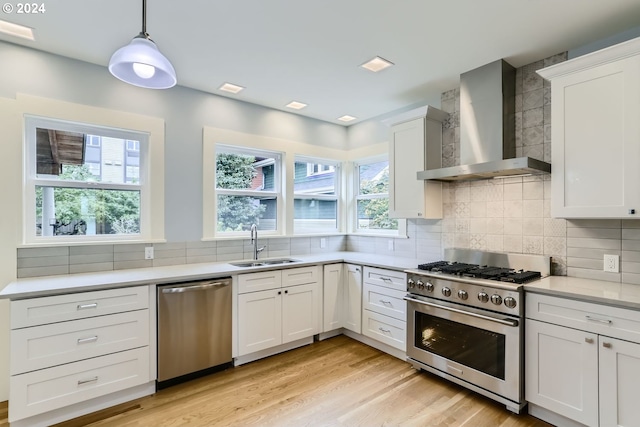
(140, 63)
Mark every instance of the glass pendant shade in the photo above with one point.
(140, 63)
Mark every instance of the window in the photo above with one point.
(315, 188)
(247, 189)
(372, 198)
(77, 186)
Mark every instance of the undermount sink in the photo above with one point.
(264, 262)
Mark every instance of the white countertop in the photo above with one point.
(599, 291)
(61, 284)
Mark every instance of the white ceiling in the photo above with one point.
(310, 51)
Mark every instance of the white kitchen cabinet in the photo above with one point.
(76, 353)
(342, 297)
(415, 144)
(582, 362)
(383, 309)
(596, 132)
(281, 314)
(562, 370)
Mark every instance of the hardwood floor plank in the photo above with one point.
(337, 382)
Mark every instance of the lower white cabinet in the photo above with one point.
(279, 315)
(383, 309)
(342, 297)
(79, 349)
(579, 362)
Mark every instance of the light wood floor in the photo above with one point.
(337, 382)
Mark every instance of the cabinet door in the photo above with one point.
(353, 298)
(300, 311)
(408, 196)
(332, 295)
(259, 321)
(619, 379)
(561, 371)
(596, 155)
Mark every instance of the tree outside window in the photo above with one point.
(372, 204)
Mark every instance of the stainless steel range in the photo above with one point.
(465, 320)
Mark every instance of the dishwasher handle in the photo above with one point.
(195, 287)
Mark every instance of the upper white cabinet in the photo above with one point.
(595, 105)
(415, 144)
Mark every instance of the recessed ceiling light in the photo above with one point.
(346, 118)
(296, 105)
(16, 30)
(377, 64)
(229, 87)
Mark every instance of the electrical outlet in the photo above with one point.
(148, 252)
(612, 263)
(390, 245)
(323, 242)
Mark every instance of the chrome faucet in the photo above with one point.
(254, 242)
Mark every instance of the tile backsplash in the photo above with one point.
(499, 215)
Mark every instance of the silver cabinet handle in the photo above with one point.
(88, 380)
(88, 339)
(201, 287)
(588, 340)
(87, 306)
(386, 331)
(385, 279)
(606, 344)
(384, 302)
(596, 319)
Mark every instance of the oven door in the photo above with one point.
(477, 346)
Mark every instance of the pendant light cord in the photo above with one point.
(144, 18)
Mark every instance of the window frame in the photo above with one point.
(277, 193)
(31, 181)
(401, 231)
(336, 168)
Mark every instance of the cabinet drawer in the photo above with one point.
(51, 345)
(385, 301)
(300, 276)
(61, 308)
(48, 389)
(261, 281)
(600, 319)
(386, 278)
(384, 329)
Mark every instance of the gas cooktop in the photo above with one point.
(481, 271)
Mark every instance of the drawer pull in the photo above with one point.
(88, 380)
(606, 344)
(386, 279)
(596, 319)
(386, 331)
(588, 340)
(88, 339)
(87, 306)
(384, 302)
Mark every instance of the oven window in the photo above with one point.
(474, 347)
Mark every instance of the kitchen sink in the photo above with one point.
(264, 262)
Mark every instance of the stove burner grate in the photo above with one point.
(521, 277)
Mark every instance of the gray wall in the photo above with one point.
(185, 112)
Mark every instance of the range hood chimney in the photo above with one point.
(487, 128)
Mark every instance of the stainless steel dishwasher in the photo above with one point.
(194, 329)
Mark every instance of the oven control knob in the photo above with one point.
(446, 292)
(429, 287)
(496, 299)
(411, 283)
(420, 284)
(463, 294)
(510, 302)
(483, 297)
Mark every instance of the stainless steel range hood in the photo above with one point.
(487, 128)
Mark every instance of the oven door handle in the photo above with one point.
(508, 322)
